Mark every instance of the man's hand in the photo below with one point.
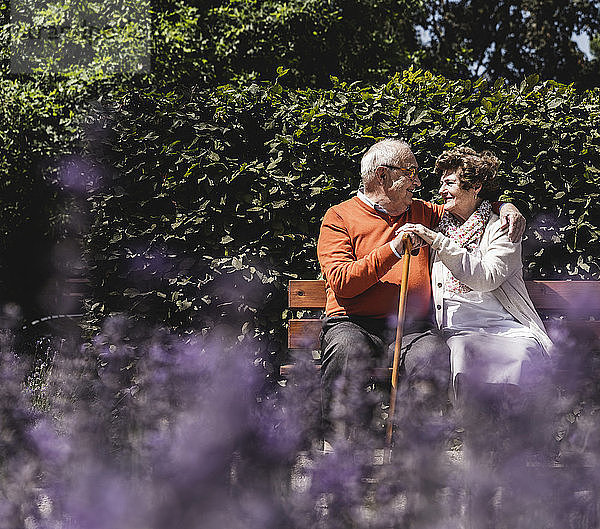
(511, 217)
(416, 241)
(418, 233)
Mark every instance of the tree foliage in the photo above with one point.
(513, 39)
(372, 39)
(352, 39)
(595, 48)
(221, 41)
(84, 40)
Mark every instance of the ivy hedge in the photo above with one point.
(211, 200)
(39, 125)
(41, 132)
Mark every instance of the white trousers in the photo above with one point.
(496, 359)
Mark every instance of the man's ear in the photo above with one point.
(380, 172)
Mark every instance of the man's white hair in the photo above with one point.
(381, 153)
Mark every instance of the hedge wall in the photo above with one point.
(39, 127)
(212, 200)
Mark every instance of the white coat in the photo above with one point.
(496, 267)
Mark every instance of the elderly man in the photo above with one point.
(360, 257)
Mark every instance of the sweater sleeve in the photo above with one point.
(481, 271)
(431, 213)
(344, 273)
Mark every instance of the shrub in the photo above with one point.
(212, 199)
(39, 127)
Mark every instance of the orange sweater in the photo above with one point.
(361, 271)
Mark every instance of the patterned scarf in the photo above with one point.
(467, 234)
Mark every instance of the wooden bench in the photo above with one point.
(574, 303)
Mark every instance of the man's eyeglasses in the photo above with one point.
(412, 172)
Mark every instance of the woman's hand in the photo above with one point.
(511, 217)
(419, 234)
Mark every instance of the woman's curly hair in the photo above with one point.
(477, 168)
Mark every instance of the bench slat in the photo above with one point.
(579, 327)
(574, 297)
(581, 297)
(304, 334)
(306, 294)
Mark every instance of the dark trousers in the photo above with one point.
(352, 346)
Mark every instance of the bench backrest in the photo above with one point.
(576, 301)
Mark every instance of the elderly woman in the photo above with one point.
(481, 303)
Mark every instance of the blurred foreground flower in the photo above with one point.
(144, 429)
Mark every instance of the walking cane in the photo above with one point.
(399, 332)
